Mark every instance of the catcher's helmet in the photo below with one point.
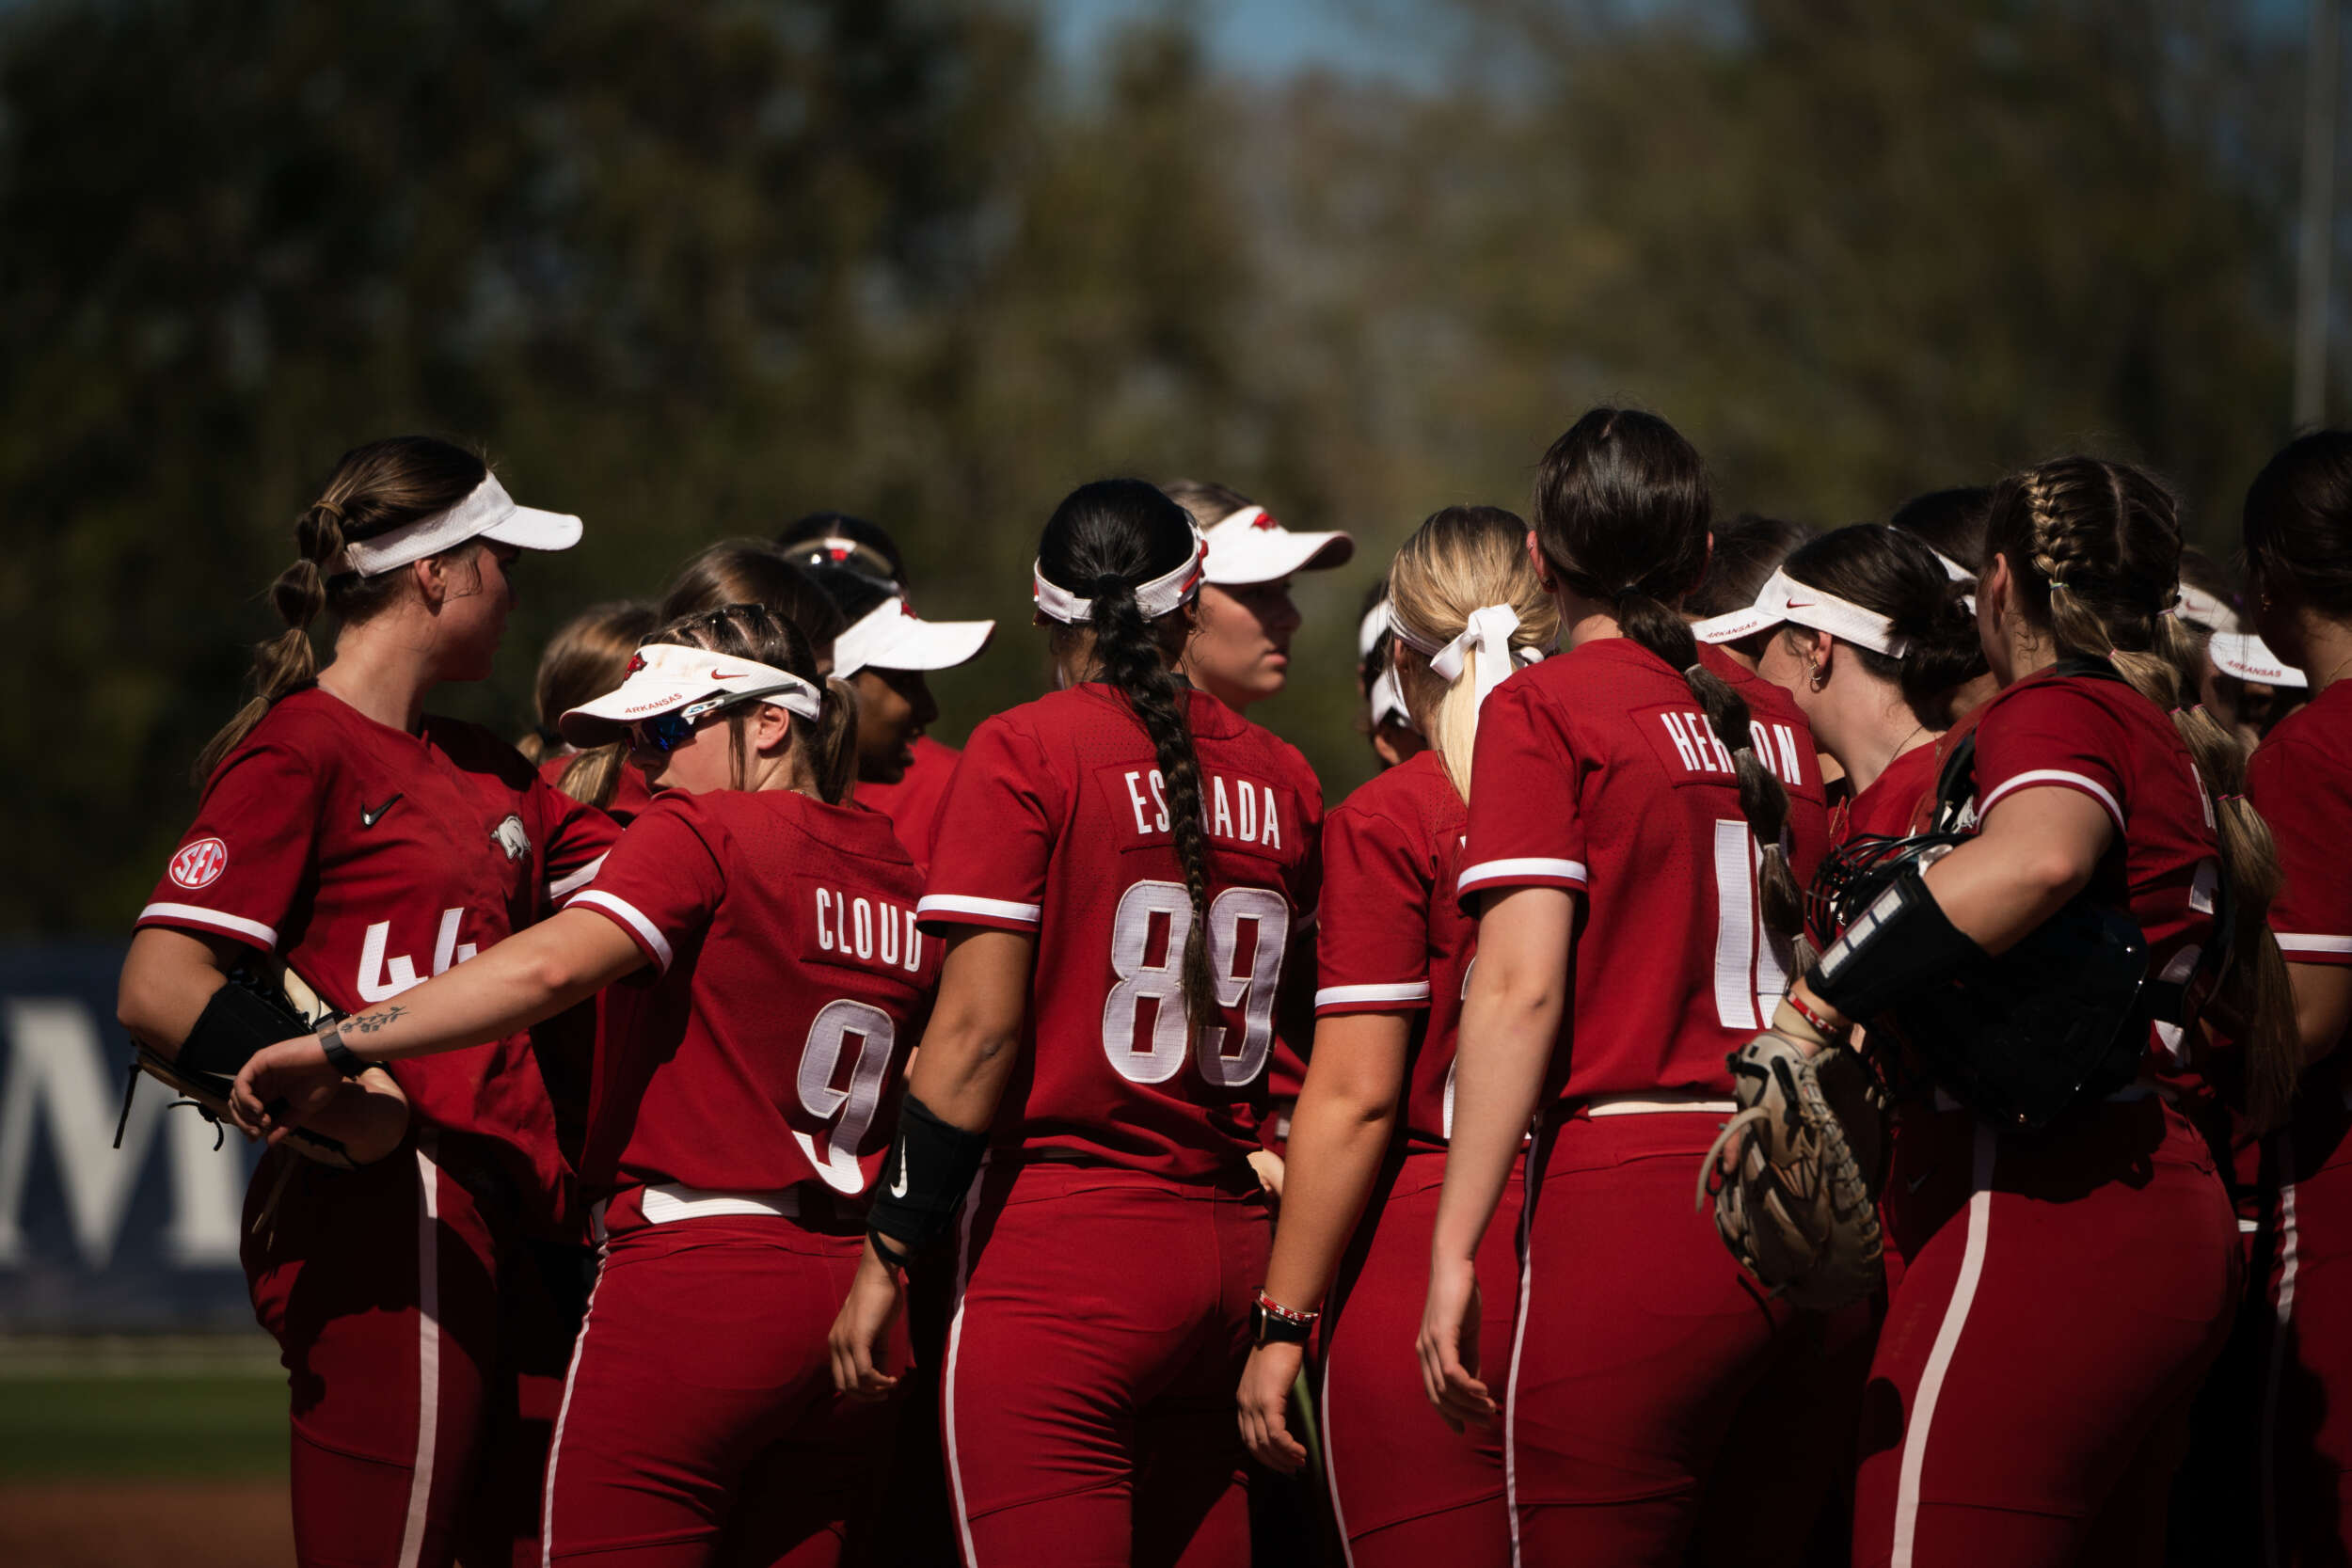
(2060, 1017)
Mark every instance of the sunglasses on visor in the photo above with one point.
(665, 733)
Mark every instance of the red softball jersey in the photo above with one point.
(2301, 780)
(1597, 772)
(629, 794)
(1058, 826)
(369, 860)
(912, 803)
(1893, 803)
(764, 1046)
(1393, 936)
(2104, 740)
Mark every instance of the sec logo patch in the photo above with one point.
(200, 864)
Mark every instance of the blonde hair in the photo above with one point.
(587, 657)
(2094, 548)
(1460, 560)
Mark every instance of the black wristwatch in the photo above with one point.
(339, 1056)
(1273, 1323)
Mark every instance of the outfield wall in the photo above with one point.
(93, 1238)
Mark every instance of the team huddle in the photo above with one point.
(1857, 1079)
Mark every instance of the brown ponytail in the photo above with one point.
(375, 488)
(1104, 539)
(1622, 507)
(2095, 549)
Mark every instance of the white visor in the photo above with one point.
(2202, 609)
(1784, 598)
(1952, 569)
(1388, 704)
(2247, 658)
(892, 637)
(487, 512)
(1249, 545)
(1156, 597)
(1371, 629)
(664, 678)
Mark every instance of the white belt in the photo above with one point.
(1656, 1101)
(665, 1202)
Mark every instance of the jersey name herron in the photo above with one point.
(1240, 810)
(1701, 751)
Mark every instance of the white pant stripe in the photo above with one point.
(428, 1359)
(1940, 1354)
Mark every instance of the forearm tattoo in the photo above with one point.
(368, 1023)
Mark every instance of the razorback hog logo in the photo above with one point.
(1264, 520)
(509, 836)
(200, 864)
(636, 662)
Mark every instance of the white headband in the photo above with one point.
(1784, 598)
(1386, 701)
(1952, 569)
(1374, 626)
(487, 509)
(1488, 630)
(1155, 598)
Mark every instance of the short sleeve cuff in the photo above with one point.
(2058, 778)
(957, 908)
(631, 919)
(572, 882)
(217, 922)
(1397, 996)
(1521, 871)
(2313, 947)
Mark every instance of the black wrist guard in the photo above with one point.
(236, 1022)
(923, 1181)
(339, 1056)
(1902, 943)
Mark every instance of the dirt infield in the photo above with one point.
(116, 1524)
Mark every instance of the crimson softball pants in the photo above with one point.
(2306, 1441)
(1406, 1489)
(1102, 1320)
(381, 1288)
(699, 1422)
(1638, 1336)
(2063, 1297)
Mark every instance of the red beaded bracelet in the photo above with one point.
(1828, 1031)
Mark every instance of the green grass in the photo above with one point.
(118, 1426)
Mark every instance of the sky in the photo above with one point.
(1269, 37)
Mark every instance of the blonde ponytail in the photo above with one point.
(1461, 560)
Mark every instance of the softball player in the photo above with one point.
(585, 660)
(1388, 723)
(2298, 546)
(1628, 846)
(743, 1098)
(1872, 640)
(2064, 1290)
(367, 845)
(1240, 649)
(1121, 866)
(1369, 1135)
(752, 571)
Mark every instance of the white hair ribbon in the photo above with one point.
(1156, 598)
(1488, 630)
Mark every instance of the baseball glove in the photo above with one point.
(1799, 1211)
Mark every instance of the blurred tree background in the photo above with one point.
(693, 267)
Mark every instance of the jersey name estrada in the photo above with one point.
(370, 860)
(2301, 780)
(1057, 824)
(1394, 937)
(1597, 772)
(765, 1044)
(2104, 740)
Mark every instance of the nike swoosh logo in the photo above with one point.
(368, 818)
(1797, 603)
(899, 1188)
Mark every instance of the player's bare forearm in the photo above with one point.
(1510, 1023)
(532, 975)
(368, 1115)
(1339, 1132)
(167, 977)
(968, 1050)
(2323, 1007)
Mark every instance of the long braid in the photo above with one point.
(1130, 658)
(2104, 541)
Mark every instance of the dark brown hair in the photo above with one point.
(752, 571)
(1621, 512)
(1950, 522)
(1893, 574)
(1103, 542)
(373, 487)
(1743, 554)
(586, 657)
(2297, 522)
(1209, 502)
(755, 632)
(2095, 549)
